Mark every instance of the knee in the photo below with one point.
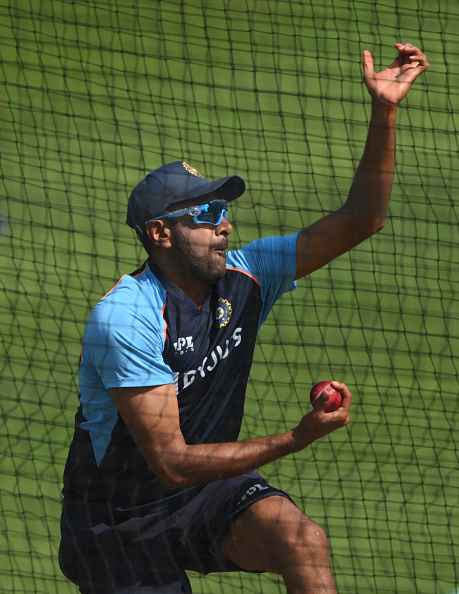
(308, 538)
(313, 534)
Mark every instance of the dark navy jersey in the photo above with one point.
(147, 332)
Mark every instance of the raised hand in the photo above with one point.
(392, 84)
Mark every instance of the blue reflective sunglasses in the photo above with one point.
(212, 213)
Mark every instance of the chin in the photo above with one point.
(216, 273)
(217, 276)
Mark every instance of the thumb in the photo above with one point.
(368, 68)
(322, 399)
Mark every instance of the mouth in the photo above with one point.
(220, 253)
(221, 248)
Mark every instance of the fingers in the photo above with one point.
(406, 50)
(413, 53)
(412, 61)
(345, 392)
(324, 396)
(347, 398)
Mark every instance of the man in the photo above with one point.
(156, 482)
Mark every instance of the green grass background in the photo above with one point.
(94, 95)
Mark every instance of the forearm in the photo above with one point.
(184, 465)
(152, 417)
(178, 465)
(370, 192)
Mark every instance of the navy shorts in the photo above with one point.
(151, 554)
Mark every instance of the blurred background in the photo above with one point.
(94, 95)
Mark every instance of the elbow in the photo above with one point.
(370, 228)
(377, 226)
(171, 476)
(170, 462)
(359, 225)
(174, 481)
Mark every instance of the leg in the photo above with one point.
(139, 555)
(274, 535)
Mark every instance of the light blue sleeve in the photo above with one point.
(272, 262)
(124, 340)
(122, 347)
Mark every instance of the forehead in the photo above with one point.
(193, 202)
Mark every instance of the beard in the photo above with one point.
(201, 263)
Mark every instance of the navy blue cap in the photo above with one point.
(172, 183)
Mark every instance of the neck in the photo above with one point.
(184, 280)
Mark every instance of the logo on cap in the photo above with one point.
(191, 170)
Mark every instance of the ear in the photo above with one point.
(159, 233)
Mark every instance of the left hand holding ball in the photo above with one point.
(334, 397)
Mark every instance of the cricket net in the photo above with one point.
(95, 94)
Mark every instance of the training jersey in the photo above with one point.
(147, 332)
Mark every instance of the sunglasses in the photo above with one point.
(211, 213)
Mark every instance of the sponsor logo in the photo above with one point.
(183, 344)
(251, 491)
(209, 363)
(224, 312)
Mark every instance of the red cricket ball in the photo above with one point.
(335, 398)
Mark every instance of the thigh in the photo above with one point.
(207, 519)
(269, 535)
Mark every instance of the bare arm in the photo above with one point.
(364, 212)
(151, 415)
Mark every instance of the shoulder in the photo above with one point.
(272, 263)
(134, 295)
(269, 252)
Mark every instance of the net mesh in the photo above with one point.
(95, 95)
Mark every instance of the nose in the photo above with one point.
(224, 228)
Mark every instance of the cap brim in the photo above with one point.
(227, 188)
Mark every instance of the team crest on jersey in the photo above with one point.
(191, 170)
(224, 311)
